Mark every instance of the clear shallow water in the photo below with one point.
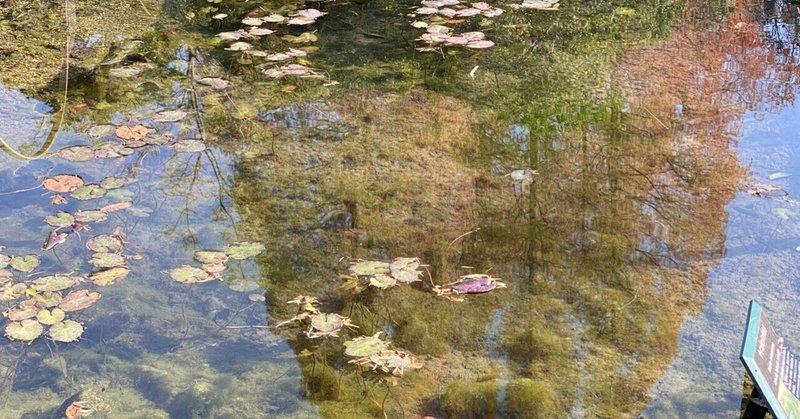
(629, 256)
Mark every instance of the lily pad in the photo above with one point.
(101, 130)
(54, 282)
(214, 268)
(382, 281)
(4, 260)
(66, 331)
(111, 182)
(78, 300)
(365, 346)
(216, 83)
(76, 153)
(109, 276)
(116, 207)
(10, 291)
(170, 116)
(25, 310)
(25, 263)
(87, 192)
(405, 269)
(26, 330)
(209, 256)
(190, 275)
(49, 317)
(105, 243)
(111, 150)
(63, 183)
(62, 219)
(107, 260)
(189, 146)
(243, 250)
(47, 299)
(327, 324)
(5, 275)
(369, 267)
(239, 46)
(134, 133)
(90, 216)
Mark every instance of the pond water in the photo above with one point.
(620, 175)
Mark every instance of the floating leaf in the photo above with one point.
(116, 207)
(243, 250)
(105, 243)
(170, 116)
(54, 282)
(26, 330)
(405, 269)
(382, 281)
(87, 192)
(58, 199)
(239, 46)
(25, 263)
(480, 44)
(419, 24)
(109, 276)
(189, 146)
(273, 18)
(101, 130)
(260, 31)
(111, 182)
(10, 291)
(208, 256)
(190, 275)
(111, 150)
(120, 195)
(327, 324)
(365, 346)
(66, 331)
(214, 268)
(4, 260)
(5, 275)
(140, 212)
(369, 267)
(49, 317)
(300, 39)
(215, 82)
(476, 284)
(134, 133)
(426, 11)
(77, 153)
(25, 310)
(78, 300)
(537, 5)
(61, 219)
(47, 299)
(278, 57)
(232, 36)
(90, 216)
(63, 183)
(107, 260)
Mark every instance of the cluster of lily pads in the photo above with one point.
(435, 15)
(241, 40)
(108, 260)
(110, 141)
(369, 351)
(382, 275)
(214, 262)
(44, 303)
(537, 5)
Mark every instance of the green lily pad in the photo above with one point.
(4, 260)
(107, 260)
(54, 283)
(405, 269)
(9, 291)
(62, 219)
(365, 346)
(327, 323)
(66, 331)
(190, 275)
(78, 300)
(214, 268)
(111, 182)
(101, 130)
(25, 263)
(170, 116)
(210, 257)
(49, 317)
(382, 281)
(76, 153)
(104, 243)
(243, 250)
(63, 183)
(189, 146)
(90, 216)
(26, 330)
(109, 276)
(87, 192)
(47, 299)
(369, 267)
(120, 195)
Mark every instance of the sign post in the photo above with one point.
(774, 368)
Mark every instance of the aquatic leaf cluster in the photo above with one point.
(107, 259)
(215, 262)
(382, 275)
(436, 15)
(374, 353)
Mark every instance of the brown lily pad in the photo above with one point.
(109, 276)
(78, 300)
(63, 183)
(134, 133)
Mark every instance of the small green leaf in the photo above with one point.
(62, 219)
(66, 331)
(190, 275)
(243, 250)
(25, 263)
(26, 330)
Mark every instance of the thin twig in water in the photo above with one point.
(460, 237)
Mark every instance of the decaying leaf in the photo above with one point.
(365, 346)
(25, 310)
(10, 291)
(63, 183)
(78, 300)
(76, 153)
(109, 276)
(389, 361)
(134, 133)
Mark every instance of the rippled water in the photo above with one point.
(596, 160)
